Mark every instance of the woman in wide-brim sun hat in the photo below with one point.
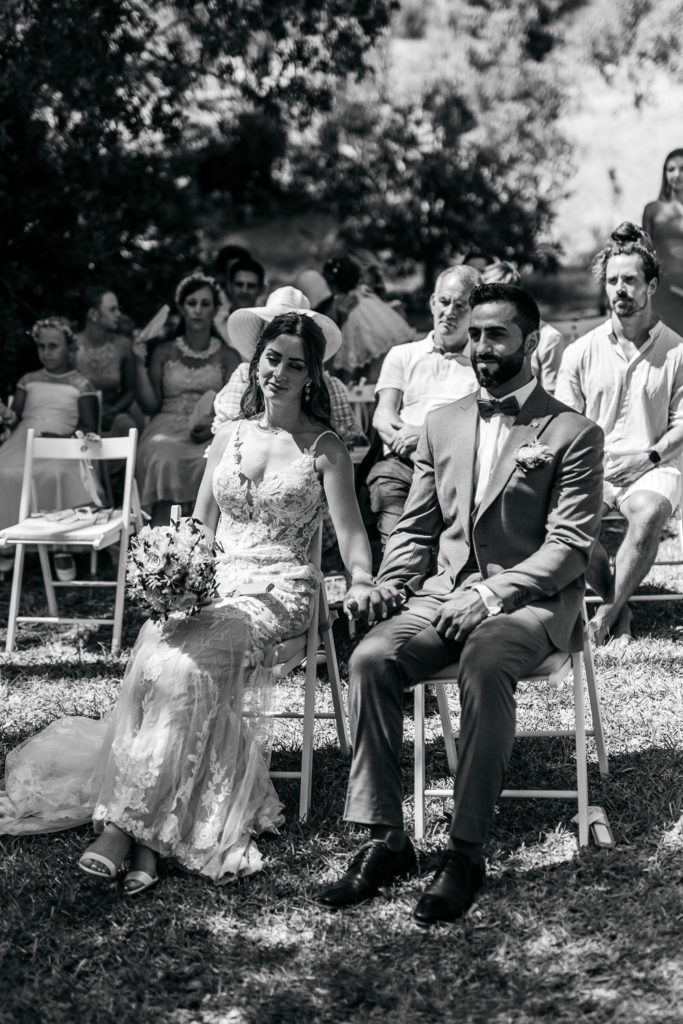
(245, 325)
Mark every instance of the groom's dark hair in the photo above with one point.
(527, 316)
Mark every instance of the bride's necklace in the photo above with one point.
(205, 353)
(262, 424)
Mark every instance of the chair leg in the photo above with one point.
(120, 594)
(335, 685)
(17, 577)
(47, 581)
(308, 722)
(419, 746)
(447, 728)
(596, 716)
(581, 763)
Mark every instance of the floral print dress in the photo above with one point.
(183, 762)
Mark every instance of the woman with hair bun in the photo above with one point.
(663, 221)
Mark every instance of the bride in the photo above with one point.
(177, 771)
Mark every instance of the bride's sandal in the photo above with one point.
(143, 874)
(106, 877)
(100, 866)
(137, 882)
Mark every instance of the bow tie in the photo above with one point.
(506, 407)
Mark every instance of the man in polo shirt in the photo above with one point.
(627, 376)
(416, 378)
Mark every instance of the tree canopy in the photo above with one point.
(106, 105)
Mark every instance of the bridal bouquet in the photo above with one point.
(7, 420)
(171, 569)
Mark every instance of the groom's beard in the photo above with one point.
(506, 368)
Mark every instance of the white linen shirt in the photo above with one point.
(427, 377)
(635, 401)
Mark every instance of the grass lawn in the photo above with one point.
(557, 935)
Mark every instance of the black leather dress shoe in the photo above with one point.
(452, 891)
(372, 866)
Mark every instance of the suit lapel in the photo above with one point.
(532, 420)
(464, 447)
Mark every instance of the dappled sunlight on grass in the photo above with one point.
(558, 934)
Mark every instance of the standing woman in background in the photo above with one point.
(663, 221)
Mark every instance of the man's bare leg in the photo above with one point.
(646, 513)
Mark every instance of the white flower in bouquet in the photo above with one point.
(171, 569)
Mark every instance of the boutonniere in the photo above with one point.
(532, 455)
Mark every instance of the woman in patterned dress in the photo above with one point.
(195, 364)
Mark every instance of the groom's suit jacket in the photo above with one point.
(531, 536)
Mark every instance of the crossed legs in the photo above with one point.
(646, 513)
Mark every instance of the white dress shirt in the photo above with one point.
(491, 437)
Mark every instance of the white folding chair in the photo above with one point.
(554, 670)
(301, 650)
(96, 530)
(290, 655)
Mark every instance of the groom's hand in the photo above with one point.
(371, 603)
(459, 615)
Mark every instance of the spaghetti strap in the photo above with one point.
(315, 443)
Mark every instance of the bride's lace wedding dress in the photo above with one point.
(181, 764)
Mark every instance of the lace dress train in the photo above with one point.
(182, 763)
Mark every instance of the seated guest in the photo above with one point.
(246, 278)
(245, 330)
(226, 256)
(181, 371)
(546, 358)
(414, 379)
(627, 376)
(512, 539)
(55, 401)
(369, 326)
(104, 356)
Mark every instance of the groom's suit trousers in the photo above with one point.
(405, 649)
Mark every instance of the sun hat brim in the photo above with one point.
(245, 326)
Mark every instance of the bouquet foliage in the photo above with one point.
(7, 420)
(172, 569)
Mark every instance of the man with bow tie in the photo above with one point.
(507, 495)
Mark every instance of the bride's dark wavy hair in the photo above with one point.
(298, 325)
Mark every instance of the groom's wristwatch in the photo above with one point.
(494, 605)
(654, 457)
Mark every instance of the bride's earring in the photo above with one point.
(307, 390)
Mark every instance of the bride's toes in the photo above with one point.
(102, 860)
(143, 874)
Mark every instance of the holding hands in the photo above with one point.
(370, 602)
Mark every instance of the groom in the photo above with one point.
(506, 497)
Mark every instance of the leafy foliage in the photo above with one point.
(634, 37)
(477, 159)
(105, 109)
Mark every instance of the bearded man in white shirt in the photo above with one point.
(416, 378)
(507, 492)
(627, 376)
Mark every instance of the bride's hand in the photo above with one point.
(370, 602)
